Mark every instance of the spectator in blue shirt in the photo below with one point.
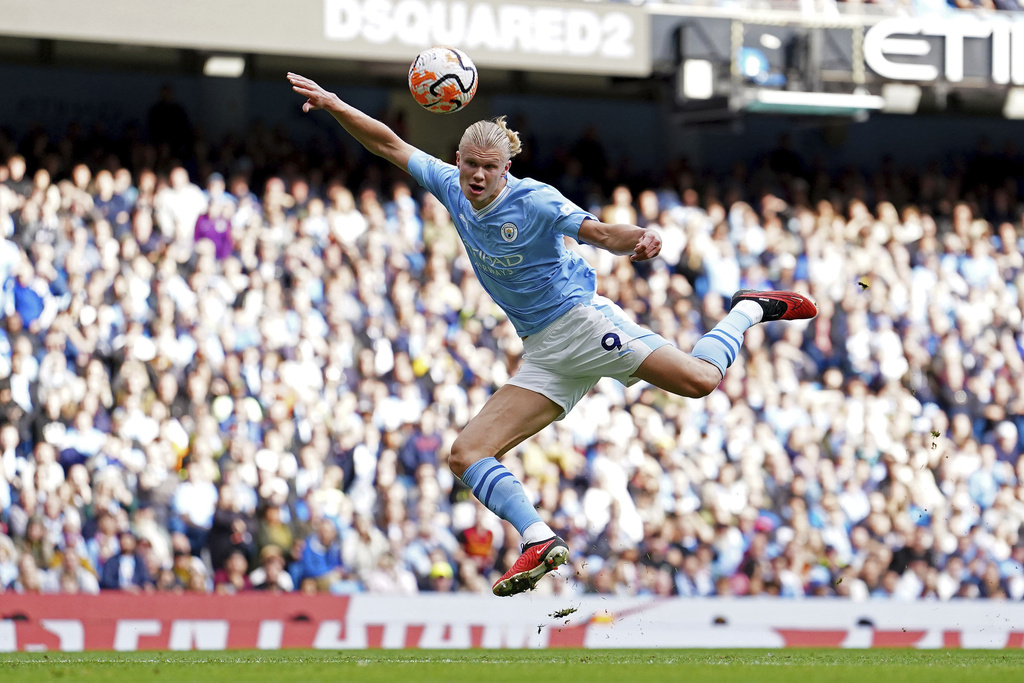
(321, 557)
(28, 302)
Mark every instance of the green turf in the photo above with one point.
(520, 666)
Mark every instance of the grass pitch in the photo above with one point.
(518, 666)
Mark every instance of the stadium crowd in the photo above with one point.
(250, 381)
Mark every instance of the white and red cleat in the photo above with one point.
(778, 305)
(537, 560)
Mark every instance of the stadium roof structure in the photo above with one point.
(710, 59)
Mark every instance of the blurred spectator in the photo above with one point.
(32, 578)
(477, 544)
(126, 571)
(230, 530)
(234, 576)
(168, 124)
(430, 542)
(320, 560)
(270, 575)
(388, 577)
(272, 529)
(363, 546)
(194, 505)
(441, 576)
(38, 543)
(178, 204)
(74, 576)
(8, 561)
(20, 185)
(215, 225)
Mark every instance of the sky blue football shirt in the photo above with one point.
(515, 243)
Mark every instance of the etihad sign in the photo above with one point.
(529, 29)
(890, 41)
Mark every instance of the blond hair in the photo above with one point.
(493, 134)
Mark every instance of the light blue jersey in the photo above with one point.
(515, 244)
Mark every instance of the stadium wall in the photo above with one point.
(50, 98)
(126, 622)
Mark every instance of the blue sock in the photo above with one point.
(501, 493)
(721, 345)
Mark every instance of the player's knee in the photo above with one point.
(712, 379)
(705, 380)
(460, 458)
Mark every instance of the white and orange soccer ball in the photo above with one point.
(443, 79)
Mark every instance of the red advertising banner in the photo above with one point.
(117, 621)
(123, 622)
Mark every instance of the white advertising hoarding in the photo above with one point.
(565, 37)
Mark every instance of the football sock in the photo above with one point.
(501, 493)
(721, 345)
(538, 531)
(752, 310)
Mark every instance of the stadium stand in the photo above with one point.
(250, 381)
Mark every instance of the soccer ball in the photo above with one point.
(442, 79)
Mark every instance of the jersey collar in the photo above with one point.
(493, 205)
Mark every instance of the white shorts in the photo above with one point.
(590, 341)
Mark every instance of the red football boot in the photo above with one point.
(537, 560)
(778, 305)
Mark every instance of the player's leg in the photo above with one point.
(679, 373)
(509, 417)
(698, 373)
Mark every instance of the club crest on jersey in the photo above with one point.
(509, 232)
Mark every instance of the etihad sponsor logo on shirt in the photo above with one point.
(502, 266)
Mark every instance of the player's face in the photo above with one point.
(481, 173)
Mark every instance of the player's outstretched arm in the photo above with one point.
(368, 131)
(620, 238)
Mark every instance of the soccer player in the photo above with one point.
(513, 231)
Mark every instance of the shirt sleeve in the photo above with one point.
(563, 215)
(430, 172)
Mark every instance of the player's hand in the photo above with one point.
(647, 247)
(316, 96)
